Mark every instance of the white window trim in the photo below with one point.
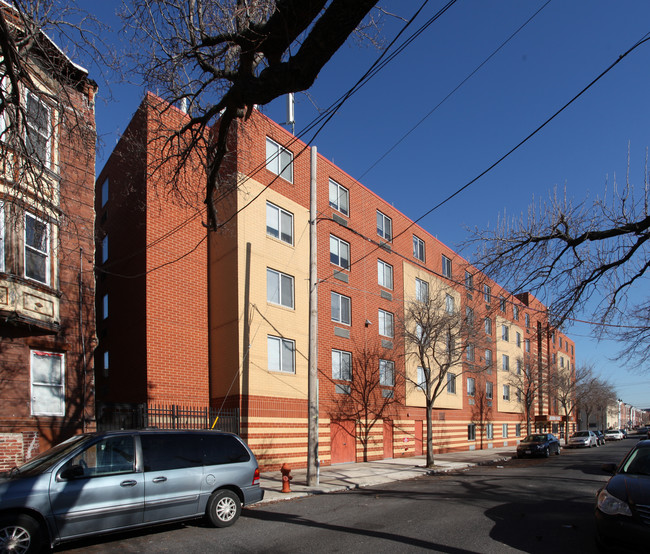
(384, 232)
(48, 133)
(337, 205)
(447, 267)
(340, 354)
(420, 287)
(340, 298)
(451, 383)
(471, 391)
(383, 318)
(280, 342)
(48, 257)
(280, 276)
(280, 229)
(274, 161)
(35, 385)
(418, 244)
(382, 268)
(383, 366)
(338, 242)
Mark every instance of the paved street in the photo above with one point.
(540, 505)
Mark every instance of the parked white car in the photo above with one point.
(613, 435)
(583, 439)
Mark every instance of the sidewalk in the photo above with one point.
(341, 477)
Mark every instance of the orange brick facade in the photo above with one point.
(230, 326)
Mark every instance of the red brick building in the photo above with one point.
(47, 247)
(252, 303)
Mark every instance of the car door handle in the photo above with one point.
(129, 483)
(159, 479)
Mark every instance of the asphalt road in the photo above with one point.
(533, 505)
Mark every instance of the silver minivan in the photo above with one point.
(102, 482)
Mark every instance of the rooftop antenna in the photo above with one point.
(290, 113)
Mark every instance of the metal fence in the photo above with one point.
(161, 416)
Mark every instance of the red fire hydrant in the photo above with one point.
(286, 477)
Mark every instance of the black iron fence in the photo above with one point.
(161, 416)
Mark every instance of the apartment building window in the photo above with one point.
(279, 223)
(527, 345)
(505, 430)
(106, 364)
(339, 198)
(561, 361)
(519, 395)
(471, 386)
(105, 249)
(518, 339)
(560, 339)
(386, 373)
(384, 226)
(279, 288)
(2, 236)
(505, 362)
(339, 252)
(341, 365)
(279, 160)
(104, 192)
(37, 249)
(488, 325)
(527, 320)
(341, 308)
(421, 290)
(451, 383)
(38, 129)
(505, 333)
(385, 323)
(487, 294)
(469, 316)
(506, 392)
(554, 357)
(469, 281)
(515, 312)
(449, 304)
(471, 432)
(517, 429)
(421, 379)
(418, 248)
(489, 390)
(47, 383)
(470, 352)
(502, 304)
(488, 359)
(281, 354)
(518, 366)
(572, 350)
(105, 306)
(385, 274)
(446, 267)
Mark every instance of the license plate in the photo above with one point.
(527, 451)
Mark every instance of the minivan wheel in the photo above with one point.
(20, 534)
(224, 508)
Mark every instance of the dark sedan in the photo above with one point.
(538, 444)
(623, 504)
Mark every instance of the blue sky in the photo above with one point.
(548, 62)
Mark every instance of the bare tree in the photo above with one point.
(598, 396)
(530, 380)
(593, 252)
(482, 408)
(571, 387)
(220, 59)
(438, 337)
(367, 393)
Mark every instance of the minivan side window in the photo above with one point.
(107, 457)
(223, 449)
(170, 451)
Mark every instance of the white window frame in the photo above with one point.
(518, 339)
(339, 371)
(487, 324)
(276, 161)
(386, 373)
(527, 319)
(505, 362)
(506, 393)
(518, 363)
(386, 323)
(505, 430)
(489, 390)
(449, 304)
(421, 290)
(421, 379)
(274, 216)
(277, 350)
(384, 226)
(52, 390)
(277, 295)
(487, 294)
(502, 304)
(336, 193)
(527, 345)
(447, 267)
(384, 274)
(451, 383)
(43, 133)
(34, 251)
(505, 333)
(489, 431)
(471, 432)
(471, 386)
(470, 353)
(335, 256)
(419, 251)
(341, 307)
(488, 358)
(515, 312)
(469, 281)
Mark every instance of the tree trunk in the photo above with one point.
(430, 460)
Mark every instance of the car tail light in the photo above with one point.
(256, 476)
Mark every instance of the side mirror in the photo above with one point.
(609, 468)
(72, 472)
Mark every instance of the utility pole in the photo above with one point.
(312, 386)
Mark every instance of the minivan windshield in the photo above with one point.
(47, 459)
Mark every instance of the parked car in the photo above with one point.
(622, 515)
(102, 482)
(600, 438)
(624, 432)
(582, 438)
(614, 435)
(539, 444)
